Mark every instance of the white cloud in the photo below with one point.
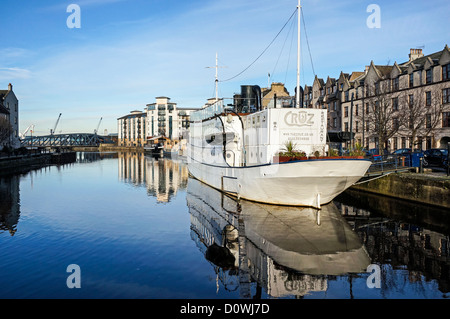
(9, 74)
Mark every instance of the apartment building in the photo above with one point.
(165, 119)
(161, 118)
(403, 105)
(131, 129)
(395, 106)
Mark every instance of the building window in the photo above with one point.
(395, 123)
(395, 103)
(428, 98)
(445, 119)
(346, 111)
(411, 100)
(346, 126)
(395, 84)
(403, 142)
(446, 96)
(429, 76)
(411, 80)
(334, 122)
(357, 127)
(446, 72)
(367, 108)
(428, 142)
(428, 120)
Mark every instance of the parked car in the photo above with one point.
(402, 151)
(435, 157)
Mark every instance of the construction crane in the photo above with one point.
(95, 131)
(56, 124)
(22, 135)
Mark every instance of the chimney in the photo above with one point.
(415, 54)
(9, 87)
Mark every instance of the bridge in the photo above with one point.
(66, 140)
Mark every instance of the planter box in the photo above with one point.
(283, 159)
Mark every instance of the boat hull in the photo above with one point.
(309, 183)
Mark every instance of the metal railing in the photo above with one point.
(390, 163)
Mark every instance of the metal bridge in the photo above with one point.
(67, 140)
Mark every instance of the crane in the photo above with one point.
(95, 131)
(22, 135)
(56, 124)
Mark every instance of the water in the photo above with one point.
(141, 228)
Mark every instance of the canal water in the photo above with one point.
(124, 225)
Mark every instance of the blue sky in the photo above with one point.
(127, 52)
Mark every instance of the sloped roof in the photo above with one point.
(421, 61)
(355, 75)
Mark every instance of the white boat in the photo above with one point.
(237, 151)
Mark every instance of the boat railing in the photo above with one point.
(212, 110)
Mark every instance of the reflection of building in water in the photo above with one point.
(162, 177)
(423, 252)
(9, 203)
(288, 251)
(89, 157)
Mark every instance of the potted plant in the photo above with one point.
(289, 153)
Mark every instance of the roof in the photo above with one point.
(355, 75)
(4, 93)
(383, 70)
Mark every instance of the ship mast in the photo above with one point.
(217, 75)
(297, 95)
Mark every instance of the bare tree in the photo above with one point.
(383, 115)
(422, 109)
(5, 130)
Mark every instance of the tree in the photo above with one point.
(383, 116)
(422, 110)
(5, 130)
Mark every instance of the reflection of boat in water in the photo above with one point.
(286, 250)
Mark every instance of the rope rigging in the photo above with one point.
(268, 46)
(262, 51)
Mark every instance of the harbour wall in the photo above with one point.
(107, 148)
(22, 163)
(423, 188)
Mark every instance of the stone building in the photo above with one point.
(10, 110)
(395, 106)
(403, 105)
(278, 92)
